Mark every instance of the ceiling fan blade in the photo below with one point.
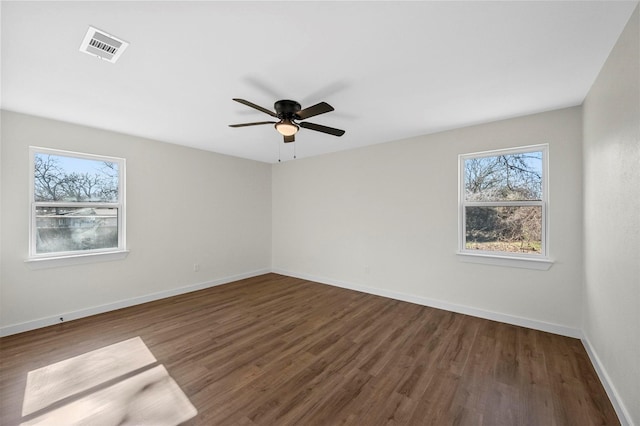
(258, 107)
(314, 110)
(288, 139)
(321, 128)
(257, 123)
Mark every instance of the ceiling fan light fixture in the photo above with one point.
(287, 128)
(288, 111)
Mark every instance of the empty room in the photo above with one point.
(320, 213)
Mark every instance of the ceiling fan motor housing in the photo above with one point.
(287, 109)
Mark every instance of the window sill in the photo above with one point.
(78, 259)
(542, 264)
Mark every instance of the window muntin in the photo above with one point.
(503, 197)
(77, 204)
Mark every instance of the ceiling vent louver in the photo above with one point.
(102, 45)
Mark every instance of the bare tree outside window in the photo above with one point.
(503, 202)
(87, 180)
(76, 203)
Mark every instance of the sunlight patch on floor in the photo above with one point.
(119, 384)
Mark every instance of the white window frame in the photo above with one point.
(45, 260)
(520, 260)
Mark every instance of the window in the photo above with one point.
(77, 204)
(503, 203)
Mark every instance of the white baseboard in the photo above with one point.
(612, 393)
(439, 304)
(69, 316)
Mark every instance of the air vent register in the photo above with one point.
(102, 45)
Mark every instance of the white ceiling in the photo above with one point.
(391, 70)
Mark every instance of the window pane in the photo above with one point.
(62, 178)
(75, 229)
(511, 177)
(506, 229)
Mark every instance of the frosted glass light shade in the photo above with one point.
(287, 128)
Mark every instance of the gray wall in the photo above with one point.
(184, 206)
(385, 217)
(612, 219)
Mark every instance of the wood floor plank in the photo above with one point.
(537, 397)
(276, 350)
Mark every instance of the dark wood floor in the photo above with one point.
(276, 350)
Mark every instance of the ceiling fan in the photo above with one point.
(290, 114)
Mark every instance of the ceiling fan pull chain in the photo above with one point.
(294, 151)
(279, 152)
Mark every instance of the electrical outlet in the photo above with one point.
(196, 267)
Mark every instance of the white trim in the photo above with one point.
(439, 304)
(506, 151)
(68, 316)
(75, 259)
(503, 203)
(612, 393)
(540, 264)
(94, 157)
